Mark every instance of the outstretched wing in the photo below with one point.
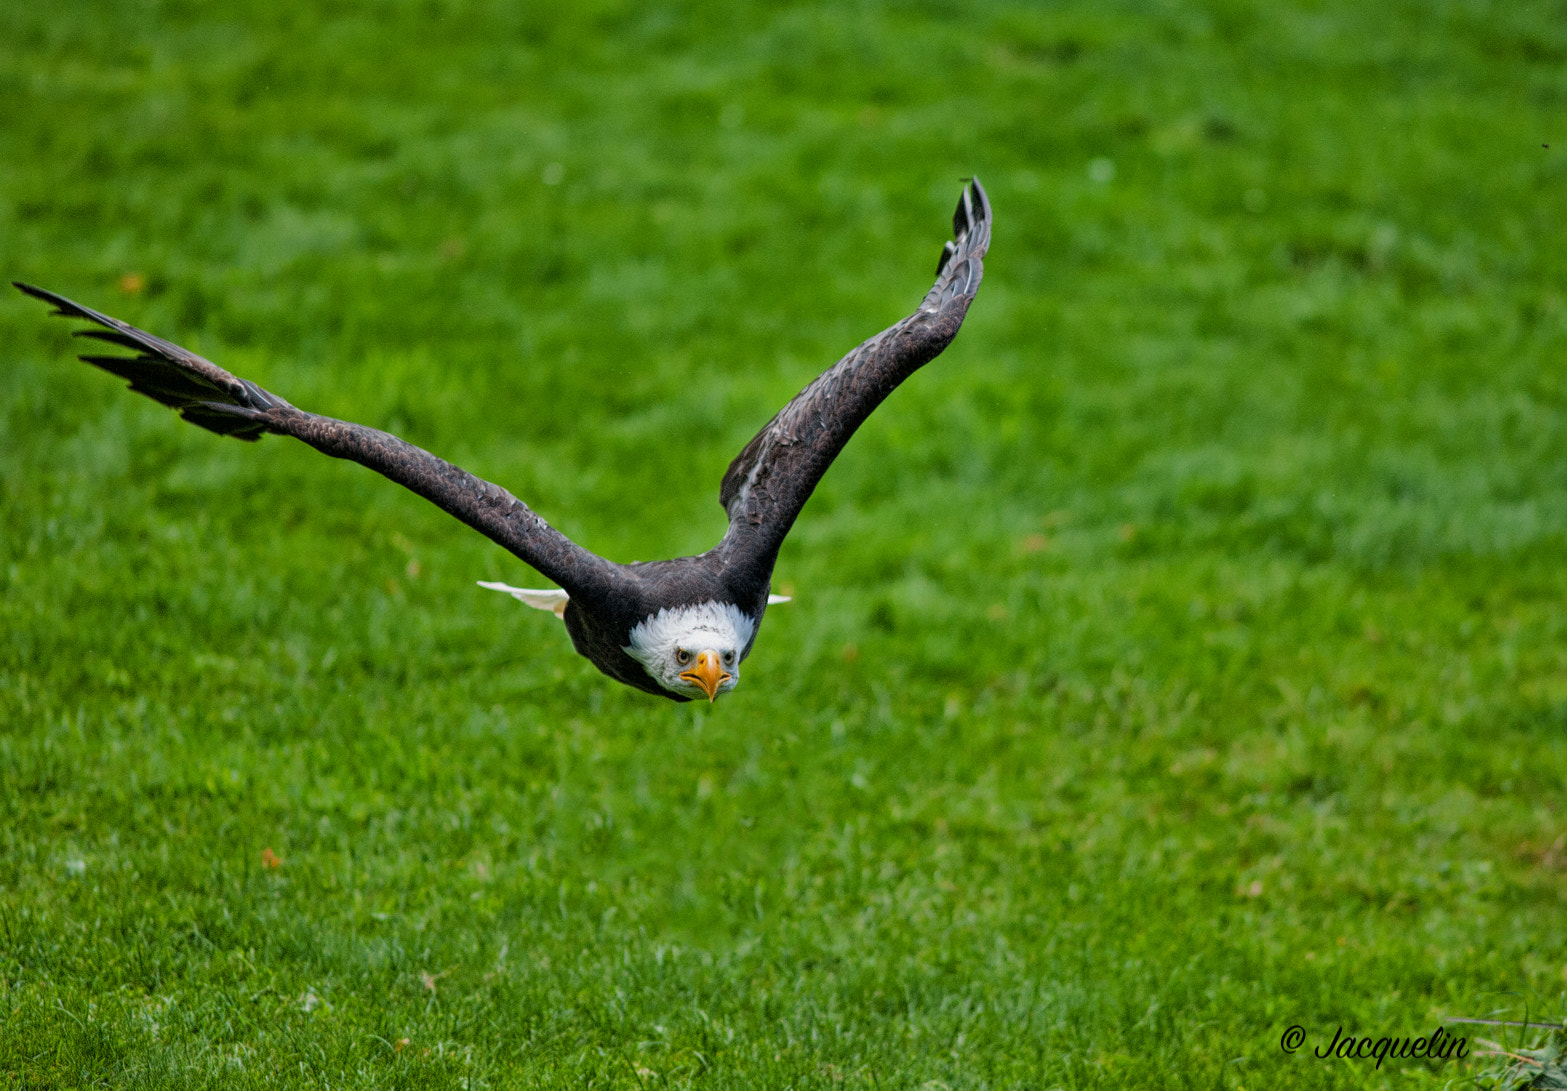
(206, 395)
(770, 481)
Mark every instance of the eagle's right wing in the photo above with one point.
(771, 479)
(206, 395)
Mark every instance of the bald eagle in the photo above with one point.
(680, 628)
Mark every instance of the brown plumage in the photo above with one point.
(611, 605)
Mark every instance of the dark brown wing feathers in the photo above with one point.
(771, 479)
(210, 397)
(763, 491)
(169, 374)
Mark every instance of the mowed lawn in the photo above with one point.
(1180, 658)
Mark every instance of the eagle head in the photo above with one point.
(693, 651)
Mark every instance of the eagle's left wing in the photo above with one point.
(771, 479)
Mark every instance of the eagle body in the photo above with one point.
(686, 588)
(679, 628)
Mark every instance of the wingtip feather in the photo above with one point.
(973, 208)
(62, 306)
(981, 202)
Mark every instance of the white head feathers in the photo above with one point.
(666, 643)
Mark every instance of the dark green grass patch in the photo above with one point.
(1179, 659)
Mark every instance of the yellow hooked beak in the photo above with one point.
(708, 673)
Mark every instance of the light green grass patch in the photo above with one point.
(1177, 659)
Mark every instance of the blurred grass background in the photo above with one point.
(1179, 658)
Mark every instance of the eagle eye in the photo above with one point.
(682, 656)
(729, 659)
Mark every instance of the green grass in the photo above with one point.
(1180, 657)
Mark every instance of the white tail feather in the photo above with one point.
(553, 600)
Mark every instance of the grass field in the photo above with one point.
(1180, 658)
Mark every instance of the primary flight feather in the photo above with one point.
(677, 628)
